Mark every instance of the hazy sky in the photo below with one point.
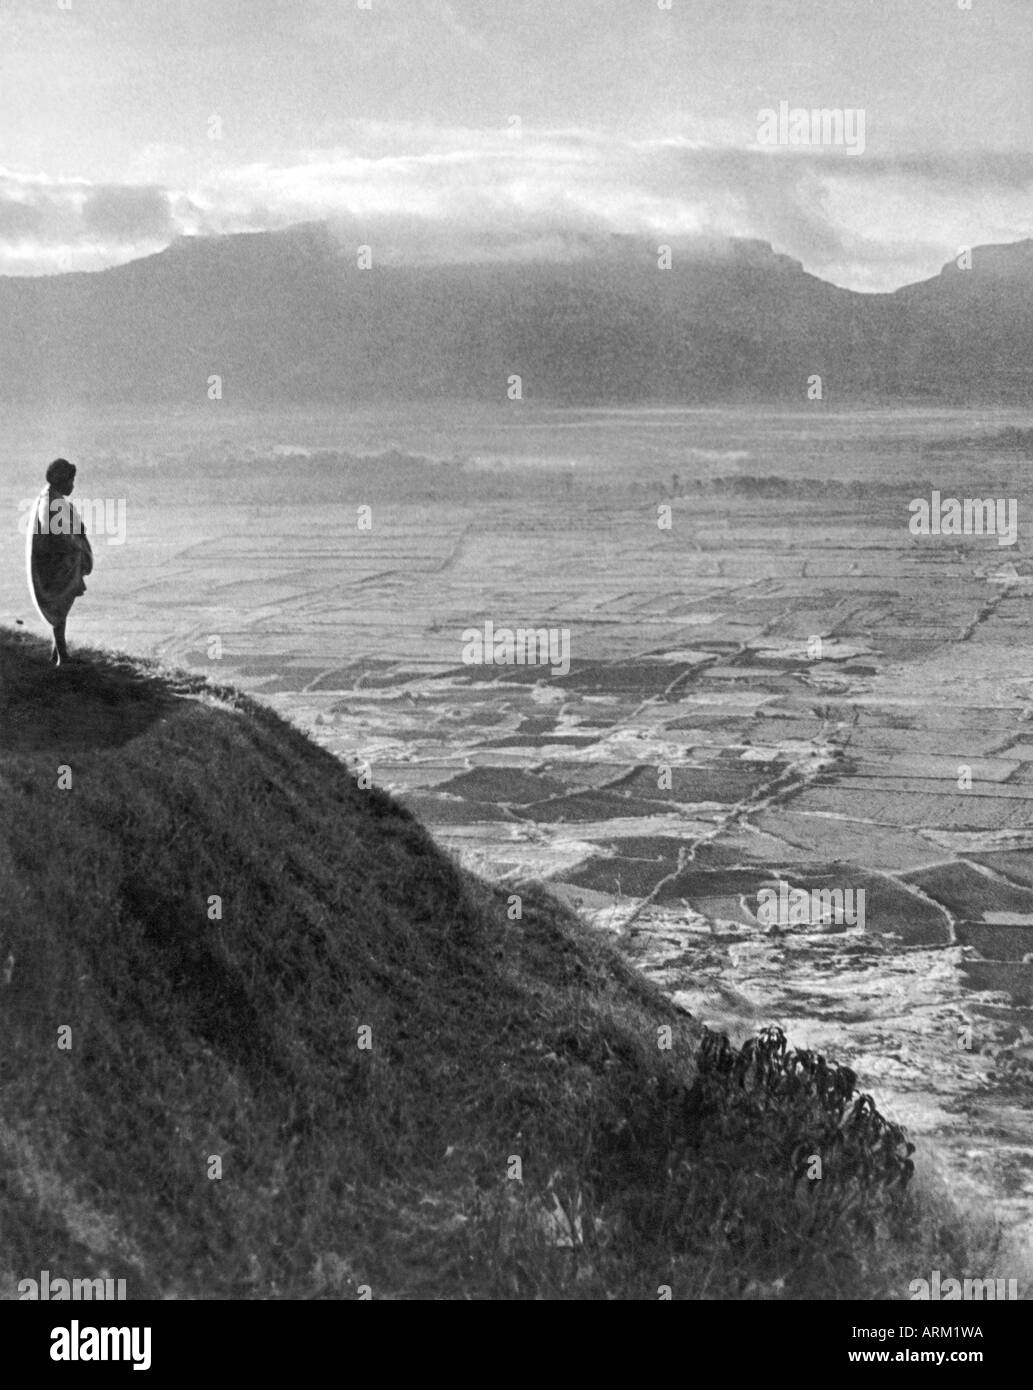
(397, 122)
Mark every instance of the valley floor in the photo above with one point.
(894, 754)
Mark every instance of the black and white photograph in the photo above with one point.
(516, 667)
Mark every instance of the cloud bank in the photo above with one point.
(425, 193)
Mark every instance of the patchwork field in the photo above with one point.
(783, 687)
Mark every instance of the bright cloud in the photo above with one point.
(420, 192)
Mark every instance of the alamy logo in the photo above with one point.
(815, 907)
(969, 516)
(800, 125)
(77, 1343)
(46, 1289)
(98, 516)
(948, 1290)
(522, 646)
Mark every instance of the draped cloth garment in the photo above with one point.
(58, 556)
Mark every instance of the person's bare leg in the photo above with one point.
(60, 648)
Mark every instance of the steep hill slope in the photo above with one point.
(205, 921)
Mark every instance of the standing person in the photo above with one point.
(58, 554)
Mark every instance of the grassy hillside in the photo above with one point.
(196, 1037)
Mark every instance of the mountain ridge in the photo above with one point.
(288, 317)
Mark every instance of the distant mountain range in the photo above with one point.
(288, 317)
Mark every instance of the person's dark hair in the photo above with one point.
(61, 471)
